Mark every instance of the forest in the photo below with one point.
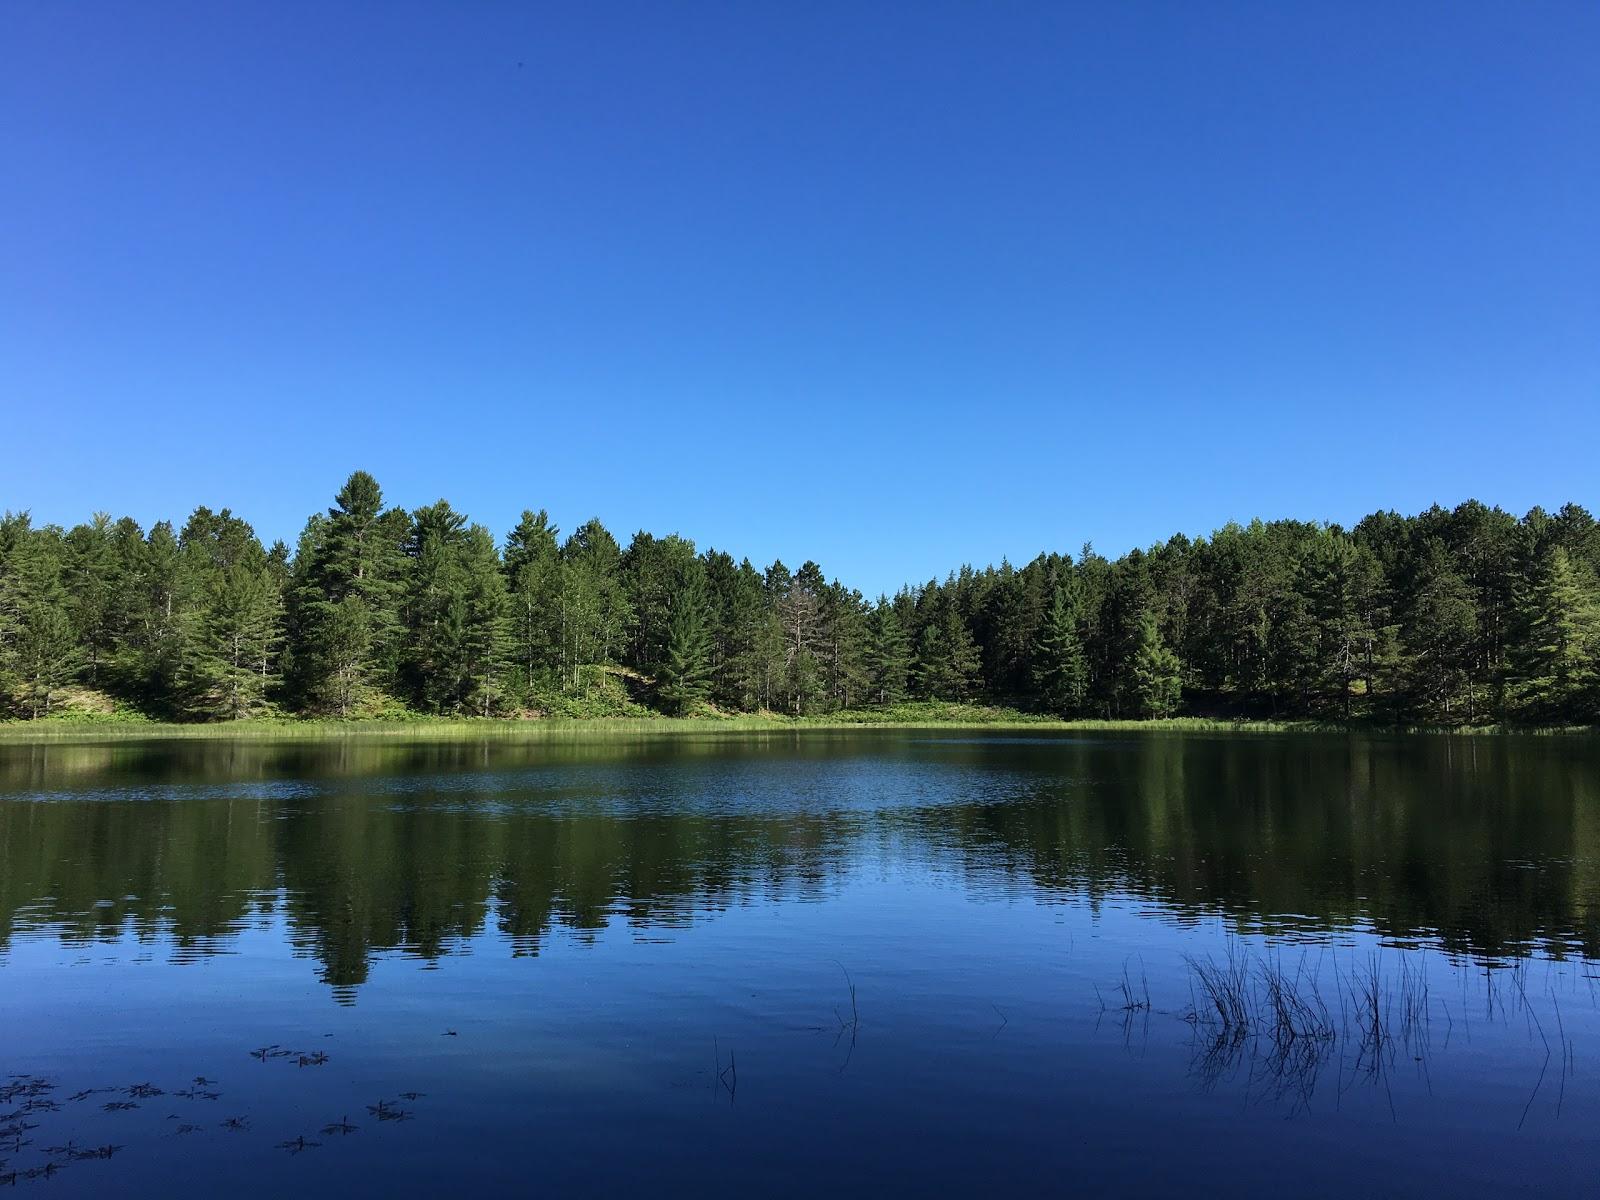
(1466, 616)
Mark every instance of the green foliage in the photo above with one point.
(345, 598)
(533, 568)
(1441, 633)
(1157, 675)
(229, 672)
(594, 614)
(684, 677)
(1559, 653)
(39, 650)
(1457, 617)
(598, 693)
(889, 663)
(947, 659)
(1060, 669)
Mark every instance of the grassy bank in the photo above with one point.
(926, 715)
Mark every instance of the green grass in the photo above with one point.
(643, 723)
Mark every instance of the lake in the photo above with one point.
(875, 962)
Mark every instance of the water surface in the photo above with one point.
(800, 962)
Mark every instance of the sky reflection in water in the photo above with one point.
(629, 964)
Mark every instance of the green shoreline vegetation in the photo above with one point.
(385, 620)
(443, 729)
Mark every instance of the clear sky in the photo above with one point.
(889, 286)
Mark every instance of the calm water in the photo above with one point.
(783, 964)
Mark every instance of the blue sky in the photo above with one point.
(890, 286)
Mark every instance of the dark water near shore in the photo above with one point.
(593, 967)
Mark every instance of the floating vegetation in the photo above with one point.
(275, 1051)
(24, 1086)
(32, 1096)
(388, 1110)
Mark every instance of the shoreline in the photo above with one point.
(422, 728)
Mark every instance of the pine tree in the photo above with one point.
(435, 609)
(889, 661)
(1558, 655)
(797, 600)
(344, 650)
(93, 585)
(654, 571)
(739, 622)
(947, 658)
(230, 668)
(486, 623)
(1340, 581)
(1440, 631)
(344, 617)
(684, 676)
(533, 569)
(595, 616)
(1060, 670)
(159, 641)
(228, 614)
(1157, 673)
(39, 649)
(844, 651)
(47, 655)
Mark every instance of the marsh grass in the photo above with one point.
(931, 717)
(1281, 1026)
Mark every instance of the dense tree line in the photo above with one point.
(1460, 616)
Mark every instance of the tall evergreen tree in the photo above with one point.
(230, 669)
(594, 611)
(1441, 631)
(844, 646)
(533, 569)
(38, 649)
(684, 677)
(93, 583)
(741, 632)
(947, 658)
(485, 624)
(435, 609)
(345, 620)
(1340, 581)
(889, 664)
(654, 572)
(1060, 670)
(1559, 652)
(1157, 674)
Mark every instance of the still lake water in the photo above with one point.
(598, 967)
